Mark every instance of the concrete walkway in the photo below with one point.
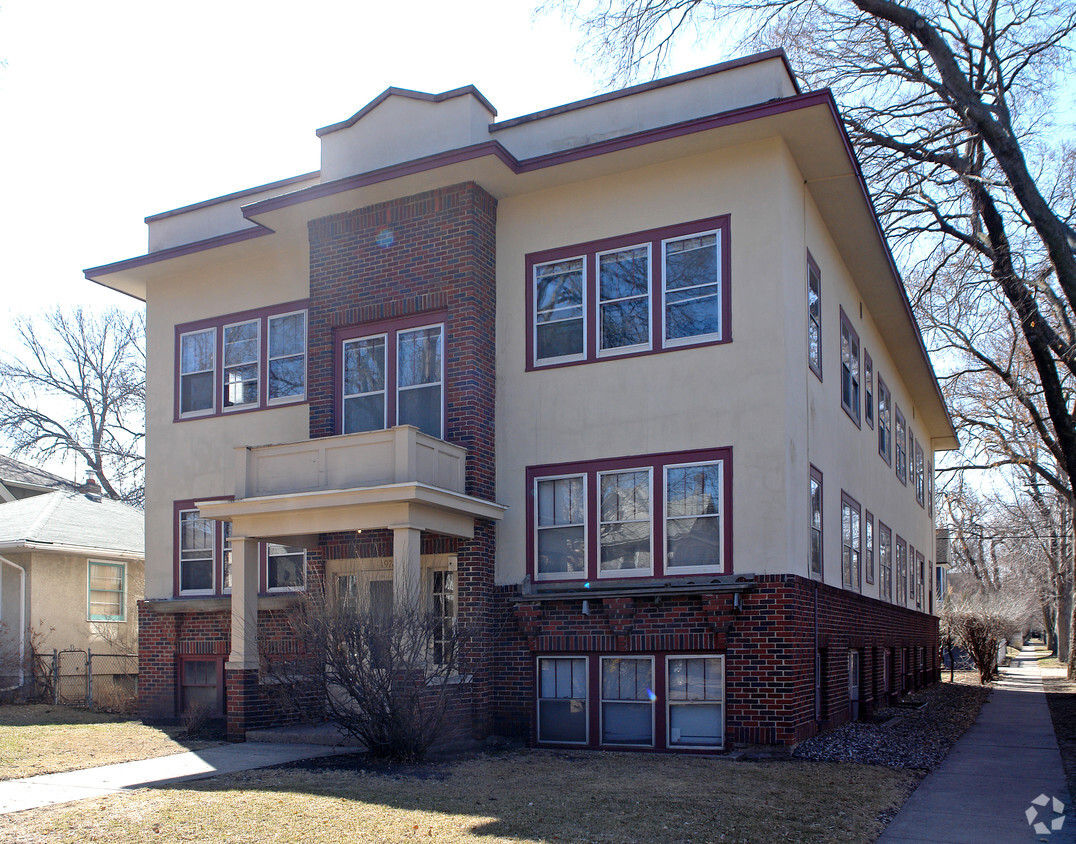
(987, 783)
(49, 789)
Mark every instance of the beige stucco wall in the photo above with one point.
(710, 397)
(57, 609)
(194, 459)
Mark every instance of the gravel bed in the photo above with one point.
(919, 738)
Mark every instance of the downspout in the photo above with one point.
(22, 625)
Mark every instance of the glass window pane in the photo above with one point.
(240, 343)
(421, 407)
(559, 289)
(287, 377)
(625, 545)
(196, 575)
(562, 721)
(560, 550)
(693, 317)
(693, 490)
(197, 351)
(625, 496)
(287, 335)
(625, 323)
(287, 567)
(691, 261)
(419, 357)
(693, 541)
(695, 724)
(625, 273)
(556, 339)
(627, 723)
(560, 501)
(364, 366)
(196, 392)
(366, 413)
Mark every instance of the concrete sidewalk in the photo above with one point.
(985, 786)
(49, 789)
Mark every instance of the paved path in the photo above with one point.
(980, 793)
(48, 789)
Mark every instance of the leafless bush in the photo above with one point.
(195, 719)
(388, 666)
(979, 620)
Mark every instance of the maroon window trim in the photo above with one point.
(656, 463)
(900, 596)
(854, 413)
(390, 328)
(262, 315)
(813, 365)
(652, 238)
(886, 594)
(816, 475)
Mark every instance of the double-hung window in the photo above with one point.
(627, 703)
(395, 377)
(885, 562)
(443, 599)
(814, 317)
(918, 464)
(562, 700)
(900, 447)
(286, 569)
(561, 527)
(241, 347)
(247, 361)
(850, 373)
(868, 388)
(850, 542)
(626, 543)
(197, 546)
(106, 598)
(902, 572)
(885, 422)
(868, 545)
(920, 567)
(630, 517)
(648, 291)
(816, 523)
(197, 371)
(696, 701)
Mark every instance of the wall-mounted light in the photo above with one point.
(586, 607)
(737, 602)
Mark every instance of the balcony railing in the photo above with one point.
(375, 458)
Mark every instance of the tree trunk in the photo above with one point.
(1072, 628)
(1064, 621)
(1049, 629)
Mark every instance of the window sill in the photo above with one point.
(214, 603)
(648, 587)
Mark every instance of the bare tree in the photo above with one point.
(980, 620)
(76, 387)
(388, 668)
(948, 104)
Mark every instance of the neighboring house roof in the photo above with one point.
(70, 520)
(20, 480)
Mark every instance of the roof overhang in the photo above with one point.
(25, 545)
(411, 504)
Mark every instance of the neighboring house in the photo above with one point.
(71, 575)
(630, 387)
(17, 480)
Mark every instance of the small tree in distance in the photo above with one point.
(387, 667)
(980, 620)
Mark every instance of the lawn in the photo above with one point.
(45, 739)
(1061, 698)
(511, 796)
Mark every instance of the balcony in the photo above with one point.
(375, 479)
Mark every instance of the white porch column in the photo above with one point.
(406, 565)
(244, 655)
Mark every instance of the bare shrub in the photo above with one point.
(388, 666)
(979, 620)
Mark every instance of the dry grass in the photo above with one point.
(517, 796)
(45, 739)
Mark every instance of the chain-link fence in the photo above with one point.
(84, 678)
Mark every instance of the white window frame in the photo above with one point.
(581, 575)
(343, 381)
(851, 554)
(602, 701)
(225, 554)
(122, 566)
(665, 518)
(212, 590)
(538, 698)
(540, 361)
(205, 411)
(225, 366)
(624, 573)
(669, 703)
(599, 302)
(269, 554)
(694, 338)
(397, 389)
(298, 397)
(854, 377)
(814, 361)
